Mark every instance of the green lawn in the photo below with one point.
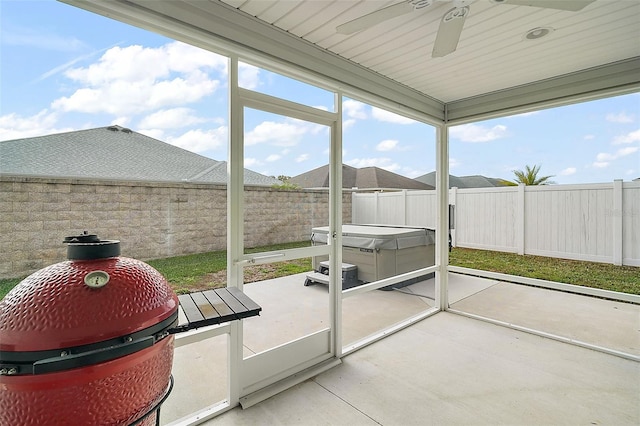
(207, 270)
(7, 285)
(625, 279)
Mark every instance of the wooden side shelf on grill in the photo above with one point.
(212, 307)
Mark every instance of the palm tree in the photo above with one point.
(530, 176)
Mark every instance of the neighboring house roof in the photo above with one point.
(364, 178)
(113, 152)
(475, 181)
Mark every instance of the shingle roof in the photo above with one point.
(364, 178)
(113, 152)
(474, 181)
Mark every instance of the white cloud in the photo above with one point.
(568, 171)
(121, 121)
(250, 162)
(273, 157)
(389, 117)
(477, 133)
(354, 109)
(387, 145)
(186, 58)
(627, 151)
(382, 162)
(621, 117)
(14, 126)
(589, 137)
(301, 158)
(136, 79)
(199, 140)
(605, 156)
(171, 119)
(126, 97)
(349, 122)
(453, 162)
(603, 159)
(248, 76)
(630, 137)
(138, 63)
(285, 134)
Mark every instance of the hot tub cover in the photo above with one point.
(378, 237)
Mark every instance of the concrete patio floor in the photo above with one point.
(446, 369)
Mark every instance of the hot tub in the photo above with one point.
(381, 251)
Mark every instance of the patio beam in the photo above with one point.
(613, 79)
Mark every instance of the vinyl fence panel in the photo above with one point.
(421, 209)
(569, 221)
(595, 222)
(365, 210)
(391, 208)
(486, 218)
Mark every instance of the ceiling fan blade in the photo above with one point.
(449, 31)
(569, 5)
(374, 18)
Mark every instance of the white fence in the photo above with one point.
(596, 222)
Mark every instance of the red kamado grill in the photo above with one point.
(89, 341)
(86, 341)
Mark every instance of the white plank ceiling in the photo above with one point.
(492, 53)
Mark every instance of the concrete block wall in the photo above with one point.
(152, 220)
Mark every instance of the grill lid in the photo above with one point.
(93, 298)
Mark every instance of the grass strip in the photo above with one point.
(208, 270)
(624, 279)
(201, 271)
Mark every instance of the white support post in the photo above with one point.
(335, 230)
(617, 223)
(442, 217)
(235, 225)
(520, 219)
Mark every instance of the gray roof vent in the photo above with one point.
(117, 128)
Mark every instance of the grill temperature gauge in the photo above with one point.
(96, 279)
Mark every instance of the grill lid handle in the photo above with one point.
(85, 237)
(88, 247)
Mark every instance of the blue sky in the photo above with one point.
(65, 69)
